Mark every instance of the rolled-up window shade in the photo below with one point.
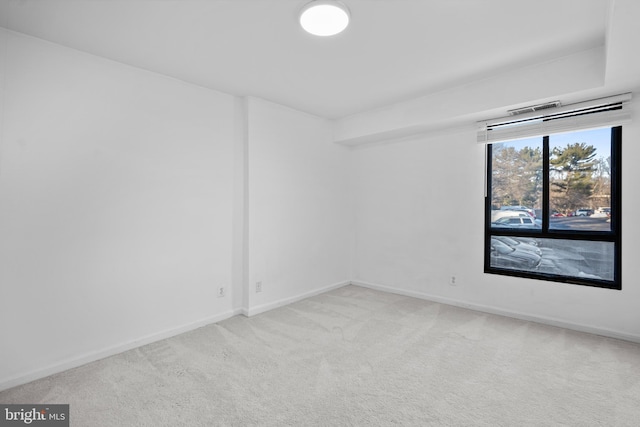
(603, 112)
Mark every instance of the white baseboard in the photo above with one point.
(75, 362)
(252, 311)
(502, 312)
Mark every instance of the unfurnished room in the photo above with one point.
(319, 213)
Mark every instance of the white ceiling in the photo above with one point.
(393, 50)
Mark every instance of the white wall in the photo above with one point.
(419, 220)
(300, 217)
(116, 207)
(129, 198)
(564, 76)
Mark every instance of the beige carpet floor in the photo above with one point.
(355, 356)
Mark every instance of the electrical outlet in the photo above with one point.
(452, 281)
(222, 291)
(258, 287)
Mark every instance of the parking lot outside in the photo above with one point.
(557, 256)
(585, 223)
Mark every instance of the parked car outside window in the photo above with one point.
(506, 256)
(515, 222)
(519, 208)
(497, 214)
(584, 212)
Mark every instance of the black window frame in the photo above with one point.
(614, 235)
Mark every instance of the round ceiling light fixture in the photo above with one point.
(324, 17)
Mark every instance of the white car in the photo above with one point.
(519, 208)
(584, 212)
(602, 213)
(496, 215)
(525, 221)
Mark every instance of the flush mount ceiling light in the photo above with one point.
(324, 17)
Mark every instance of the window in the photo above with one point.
(552, 209)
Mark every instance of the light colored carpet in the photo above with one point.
(354, 356)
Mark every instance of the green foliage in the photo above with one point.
(575, 176)
(572, 169)
(517, 176)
